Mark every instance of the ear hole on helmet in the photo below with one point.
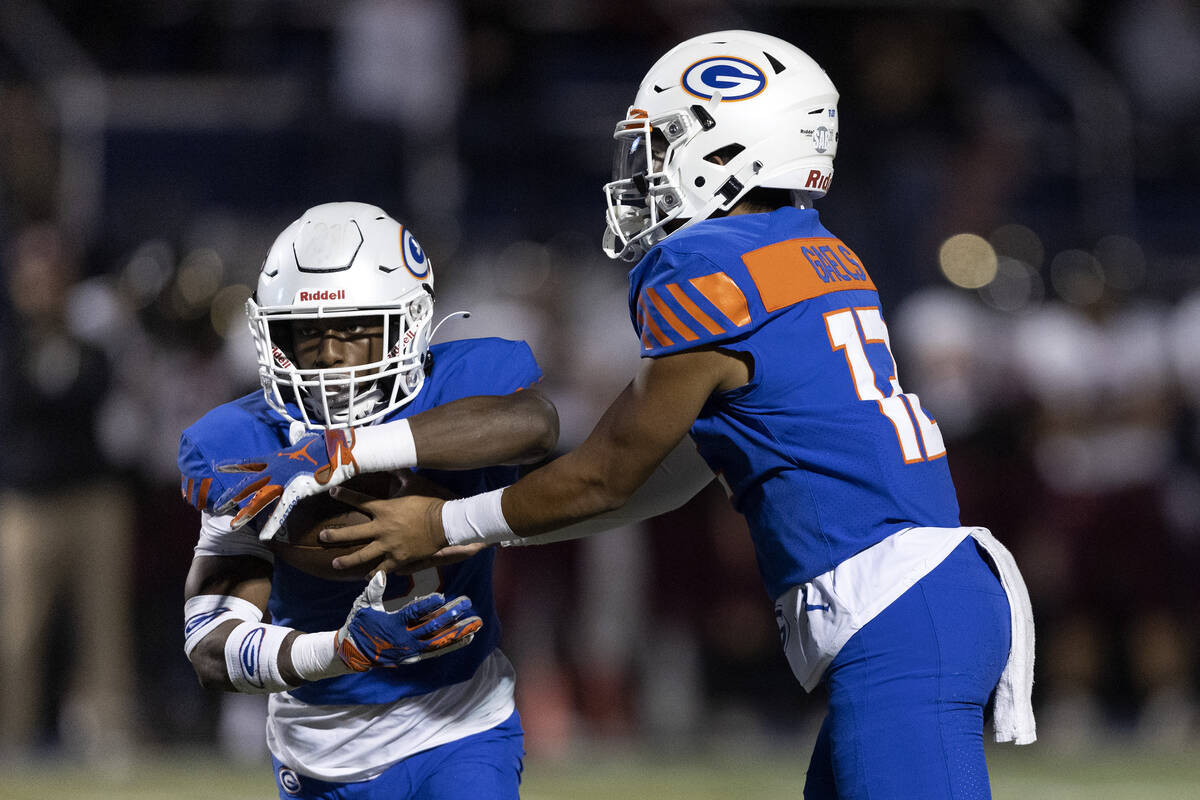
(723, 155)
(775, 64)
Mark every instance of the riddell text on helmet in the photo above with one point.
(816, 180)
(315, 295)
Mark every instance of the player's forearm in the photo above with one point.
(569, 490)
(220, 665)
(228, 644)
(679, 477)
(475, 432)
(208, 660)
(469, 433)
(577, 487)
(625, 447)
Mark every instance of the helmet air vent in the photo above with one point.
(775, 63)
(723, 155)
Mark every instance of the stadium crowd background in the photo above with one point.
(1019, 177)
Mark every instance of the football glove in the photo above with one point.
(315, 463)
(427, 627)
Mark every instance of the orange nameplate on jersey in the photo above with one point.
(786, 273)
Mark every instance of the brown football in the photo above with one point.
(297, 544)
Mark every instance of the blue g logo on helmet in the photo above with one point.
(414, 257)
(733, 78)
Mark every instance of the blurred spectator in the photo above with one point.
(65, 547)
(28, 154)
(1103, 565)
(397, 85)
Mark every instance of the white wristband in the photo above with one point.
(314, 656)
(252, 658)
(382, 448)
(204, 613)
(476, 520)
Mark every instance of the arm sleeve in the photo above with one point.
(679, 478)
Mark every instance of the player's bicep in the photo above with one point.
(646, 422)
(244, 577)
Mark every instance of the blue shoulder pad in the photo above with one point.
(240, 429)
(487, 366)
(723, 279)
(199, 483)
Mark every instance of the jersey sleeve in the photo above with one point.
(684, 300)
(489, 366)
(200, 483)
(708, 292)
(520, 368)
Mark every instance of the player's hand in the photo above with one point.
(402, 530)
(313, 464)
(427, 627)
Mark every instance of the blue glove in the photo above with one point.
(428, 626)
(315, 463)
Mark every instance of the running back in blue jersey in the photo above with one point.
(248, 425)
(824, 453)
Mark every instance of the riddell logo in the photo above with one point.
(317, 295)
(280, 358)
(817, 180)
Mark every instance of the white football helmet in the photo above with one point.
(717, 116)
(343, 260)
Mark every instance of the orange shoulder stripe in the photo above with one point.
(205, 485)
(670, 317)
(693, 309)
(651, 327)
(720, 290)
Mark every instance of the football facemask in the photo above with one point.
(342, 261)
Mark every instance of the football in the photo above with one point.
(297, 544)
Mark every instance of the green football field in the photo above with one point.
(1017, 774)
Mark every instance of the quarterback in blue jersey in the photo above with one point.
(392, 687)
(765, 342)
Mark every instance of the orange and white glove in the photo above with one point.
(315, 463)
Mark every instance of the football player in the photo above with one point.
(358, 706)
(764, 340)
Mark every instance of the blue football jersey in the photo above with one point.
(248, 426)
(825, 455)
